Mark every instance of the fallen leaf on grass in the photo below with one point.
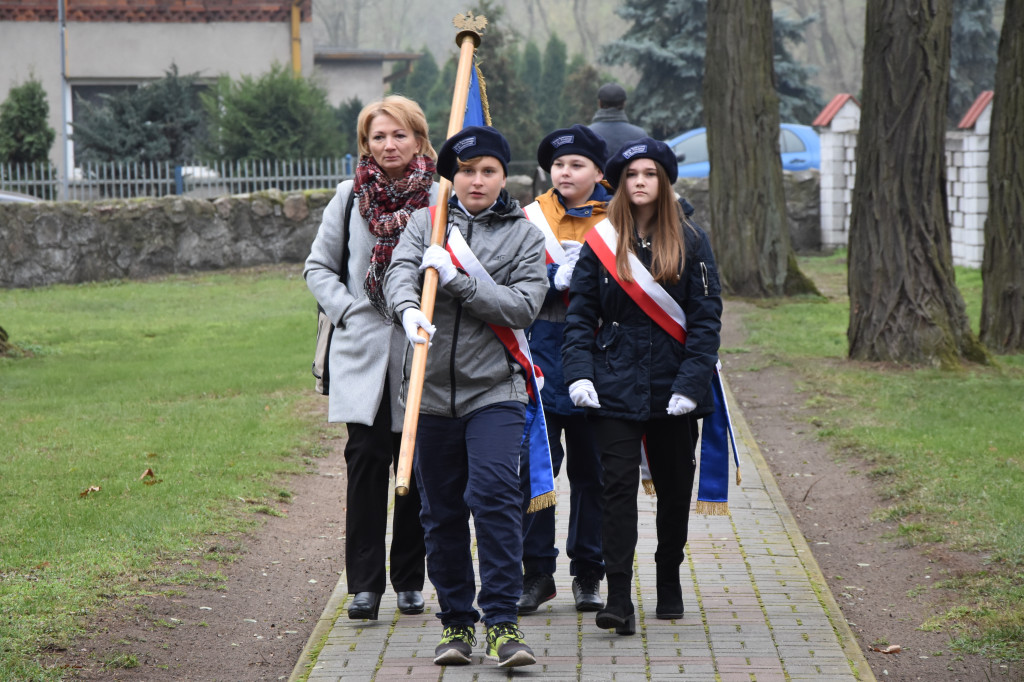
(149, 478)
(891, 649)
(90, 489)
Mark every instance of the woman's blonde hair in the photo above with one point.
(668, 250)
(408, 114)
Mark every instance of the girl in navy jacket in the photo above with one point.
(636, 377)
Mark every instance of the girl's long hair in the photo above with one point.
(668, 251)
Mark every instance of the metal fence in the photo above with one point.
(91, 181)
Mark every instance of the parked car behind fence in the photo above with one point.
(798, 145)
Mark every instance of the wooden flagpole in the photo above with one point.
(468, 39)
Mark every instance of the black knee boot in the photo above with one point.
(618, 613)
(670, 593)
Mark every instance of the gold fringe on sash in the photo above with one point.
(712, 508)
(739, 477)
(541, 502)
(648, 486)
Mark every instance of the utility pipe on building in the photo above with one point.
(296, 37)
(65, 95)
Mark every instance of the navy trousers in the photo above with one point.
(470, 465)
(583, 544)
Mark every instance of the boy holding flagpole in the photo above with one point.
(480, 393)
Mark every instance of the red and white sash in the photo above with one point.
(514, 340)
(644, 289)
(552, 247)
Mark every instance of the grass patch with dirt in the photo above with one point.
(945, 447)
(141, 417)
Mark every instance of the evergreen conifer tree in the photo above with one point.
(666, 44)
(274, 116)
(972, 68)
(579, 97)
(422, 79)
(529, 68)
(552, 81)
(800, 101)
(25, 135)
(347, 115)
(158, 121)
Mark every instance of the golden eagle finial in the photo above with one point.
(469, 22)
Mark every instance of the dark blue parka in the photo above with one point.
(635, 365)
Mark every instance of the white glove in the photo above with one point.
(413, 320)
(436, 257)
(572, 250)
(583, 394)
(679, 404)
(563, 275)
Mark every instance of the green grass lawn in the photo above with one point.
(196, 378)
(946, 447)
(203, 378)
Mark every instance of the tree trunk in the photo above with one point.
(1002, 303)
(749, 227)
(904, 304)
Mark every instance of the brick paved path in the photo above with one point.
(757, 610)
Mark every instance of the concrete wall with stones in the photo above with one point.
(71, 242)
(802, 207)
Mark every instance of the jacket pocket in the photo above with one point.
(608, 339)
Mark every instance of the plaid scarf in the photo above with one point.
(386, 205)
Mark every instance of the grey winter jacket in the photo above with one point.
(467, 366)
(365, 347)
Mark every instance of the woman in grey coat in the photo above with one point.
(394, 178)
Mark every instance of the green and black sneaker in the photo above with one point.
(506, 646)
(456, 647)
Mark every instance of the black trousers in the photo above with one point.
(370, 455)
(671, 458)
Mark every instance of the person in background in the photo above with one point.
(643, 367)
(473, 408)
(574, 158)
(394, 177)
(610, 121)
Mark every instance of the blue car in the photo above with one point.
(799, 145)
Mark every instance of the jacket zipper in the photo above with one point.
(704, 276)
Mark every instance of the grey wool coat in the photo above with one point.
(365, 347)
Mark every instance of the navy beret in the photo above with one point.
(644, 148)
(575, 140)
(469, 143)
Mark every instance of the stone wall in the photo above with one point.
(72, 242)
(802, 207)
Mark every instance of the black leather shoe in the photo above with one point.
(365, 605)
(410, 602)
(587, 593)
(537, 589)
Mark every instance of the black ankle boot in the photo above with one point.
(670, 593)
(618, 613)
